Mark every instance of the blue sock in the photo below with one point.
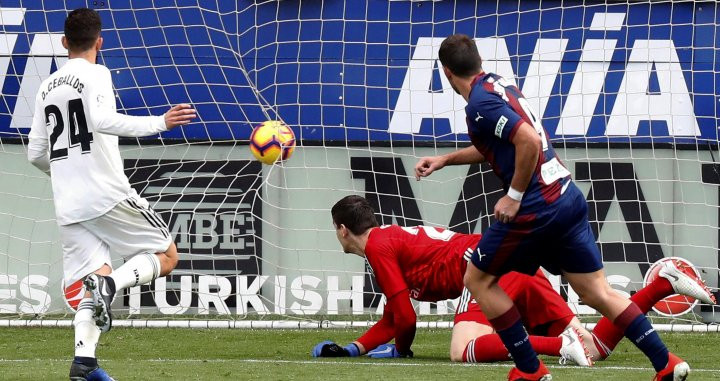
(87, 361)
(638, 329)
(512, 333)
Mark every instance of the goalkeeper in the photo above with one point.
(427, 264)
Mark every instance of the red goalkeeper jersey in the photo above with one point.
(427, 261)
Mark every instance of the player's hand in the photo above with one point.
(330, 349)
(428, 165)
(179, 115)
(506, 209)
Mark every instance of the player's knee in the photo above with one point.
(593, 289)
(587, 293)
(474, 284)
(468, 281)
(457, 346)
(458, 343)
(168, 259)
(477, 281)
(172, 255)
(471, 281)
(594, 298)
(583, 332)
(588, 297)
(596, 355)
(173, 261)
(456, 353)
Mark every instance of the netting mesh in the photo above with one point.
(625, 90)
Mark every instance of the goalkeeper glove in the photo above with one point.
(388, 351)
(330, 349)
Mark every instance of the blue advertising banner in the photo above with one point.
(368, 71)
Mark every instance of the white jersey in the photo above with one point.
(75, 128)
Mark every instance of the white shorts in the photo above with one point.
(129, 228)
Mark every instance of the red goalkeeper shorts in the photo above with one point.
(543, 310)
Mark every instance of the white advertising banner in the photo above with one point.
(256, 239)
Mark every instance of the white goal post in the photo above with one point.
(626, 90)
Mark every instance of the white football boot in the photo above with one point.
(573, 348)
(685, 284)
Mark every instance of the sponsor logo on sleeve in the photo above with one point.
(500, 125)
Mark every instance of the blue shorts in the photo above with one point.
(559, 239)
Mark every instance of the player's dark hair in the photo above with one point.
(355, 213)
(82, 28)
(459, 54)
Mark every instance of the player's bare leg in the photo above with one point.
(505, 319)
(672, 279)
(87, 335)
(594, 290)
(168, 260)
(140, 269)
(475, 342)
(463, 333)
(487, 293)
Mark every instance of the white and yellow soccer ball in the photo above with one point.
(272, 140)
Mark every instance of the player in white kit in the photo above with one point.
(74, 139)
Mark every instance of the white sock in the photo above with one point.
(140, 269)
(87, 333)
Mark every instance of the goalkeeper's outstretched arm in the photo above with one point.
(398, 322)
(381, 333)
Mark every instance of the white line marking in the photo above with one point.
(295, 324)
(372, 363)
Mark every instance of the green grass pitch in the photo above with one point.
(185, 354)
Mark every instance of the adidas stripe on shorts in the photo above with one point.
(129, 228)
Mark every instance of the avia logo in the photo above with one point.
(650, 61)
(45, 48)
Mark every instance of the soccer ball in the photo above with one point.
(673, 305)
(272, 140)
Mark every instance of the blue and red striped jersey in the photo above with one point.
(496, 108)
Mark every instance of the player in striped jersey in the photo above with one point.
(74, 139)
(541, 221)
(427, 264)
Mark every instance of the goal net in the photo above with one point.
(626, 90)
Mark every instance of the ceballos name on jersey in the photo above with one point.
(69, 80)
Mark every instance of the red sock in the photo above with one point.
(606, 336)
(547, 345)
(654, 292)
(489, 348)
